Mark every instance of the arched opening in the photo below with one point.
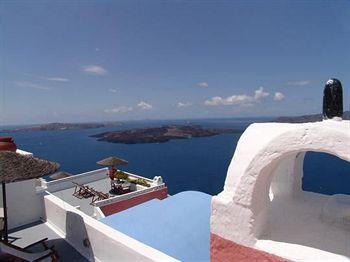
(308, 203)
(326, 174)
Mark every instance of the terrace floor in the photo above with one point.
(66, 195)
(33, 232)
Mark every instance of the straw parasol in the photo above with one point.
(17, 167)
(112, 161)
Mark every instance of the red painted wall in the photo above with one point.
(125, 204)
(222, 250)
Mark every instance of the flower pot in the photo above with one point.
(7, 144)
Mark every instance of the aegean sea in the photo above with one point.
(186, 164)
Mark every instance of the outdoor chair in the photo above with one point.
(102, 195)
(81, 191)
(98, 196)
(8, 249)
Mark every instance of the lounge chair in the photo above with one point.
(81, 191)
(102, 196)
(49, 254)
(98, 196)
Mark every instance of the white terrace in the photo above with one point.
(97, 179)
(38, 209)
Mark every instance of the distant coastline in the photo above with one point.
(306, 118)
(160, 134)
(61, 127)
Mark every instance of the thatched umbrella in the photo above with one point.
(112, 161)
(17, 167)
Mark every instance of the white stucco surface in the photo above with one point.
(104, 242)
(295, 231)
(22, 152)
(24, 203)
(336, 211)
(265, 175)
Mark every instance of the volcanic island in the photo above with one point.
(160, 134)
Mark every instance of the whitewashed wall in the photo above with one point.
(239, 212)
(106, 244)
(82, 178)
(24, 205)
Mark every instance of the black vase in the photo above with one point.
(332, 99)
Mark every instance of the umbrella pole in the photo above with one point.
(5, 231)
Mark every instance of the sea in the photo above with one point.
(185, 164)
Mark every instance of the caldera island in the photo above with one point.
(160, 134)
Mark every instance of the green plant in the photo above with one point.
(139, 181)
(121, 175)
(142, 182)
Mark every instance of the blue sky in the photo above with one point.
(123, 60)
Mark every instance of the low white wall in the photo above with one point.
(105, 243)
(98, 214)
(140, 191)
(336, 211)
(22, 152)
(66, 182)
(83, 178)
(24, 204)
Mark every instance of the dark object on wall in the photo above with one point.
(7, 143)
(332, 99)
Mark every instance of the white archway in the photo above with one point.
(265, 151)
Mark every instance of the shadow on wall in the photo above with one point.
(293, 216)
(77, 233)
(64, 251)
(296, 226)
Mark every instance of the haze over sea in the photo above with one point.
(186, 164)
